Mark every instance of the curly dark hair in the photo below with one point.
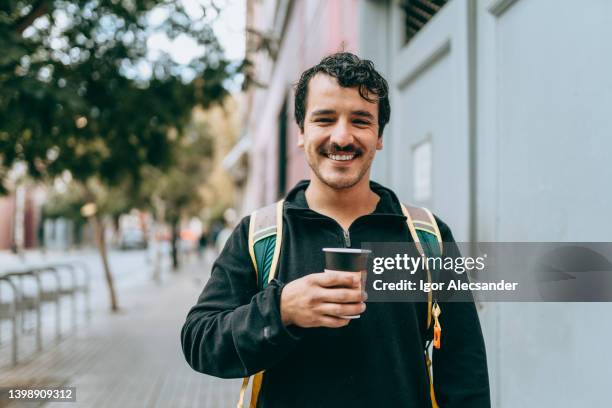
(350, 71)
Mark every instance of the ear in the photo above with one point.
(300, 138)
(379, 143)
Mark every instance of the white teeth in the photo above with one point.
(341, 157)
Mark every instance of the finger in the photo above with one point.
(341, 309)
(330, 279)
(332, 322)
(342, 295)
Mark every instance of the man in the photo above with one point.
(294, 329)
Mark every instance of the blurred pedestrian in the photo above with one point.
(229, 218)
(202, 243)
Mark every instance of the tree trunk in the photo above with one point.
(101, 242)
(175, 249)
(156, 238)
(38, 9)
(156, 242)
(157, 263)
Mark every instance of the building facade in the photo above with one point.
(21, 218)
(500, 124)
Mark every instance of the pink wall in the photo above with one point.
(7, 215)
(31, 219)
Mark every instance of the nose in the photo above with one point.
(341, 134)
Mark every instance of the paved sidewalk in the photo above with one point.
(132, 359)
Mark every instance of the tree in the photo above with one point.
(178, 187)
(79, 91)
(94, 201)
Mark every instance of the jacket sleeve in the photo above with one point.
(235, 330)
(460, 364)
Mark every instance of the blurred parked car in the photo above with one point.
(132, 239)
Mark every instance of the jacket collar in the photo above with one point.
(388, 204)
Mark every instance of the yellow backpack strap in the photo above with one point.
(432, 393)
(264, 223)
(243, 387)
(421, 219)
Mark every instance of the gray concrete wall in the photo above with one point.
(515, 97)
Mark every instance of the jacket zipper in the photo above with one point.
(347, 238)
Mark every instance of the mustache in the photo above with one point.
(335, 148)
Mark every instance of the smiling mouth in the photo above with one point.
(341, 157)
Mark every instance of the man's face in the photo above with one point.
(340, 136)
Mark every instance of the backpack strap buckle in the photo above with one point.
(436, 311)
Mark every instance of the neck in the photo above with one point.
(343, 205)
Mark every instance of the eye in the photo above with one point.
(361, 122)
(324, 120)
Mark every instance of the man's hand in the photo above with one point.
(321, 299)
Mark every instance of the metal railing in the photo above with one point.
(32, 287)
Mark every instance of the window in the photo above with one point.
(418, 13)
(421, 171)
(282, 151)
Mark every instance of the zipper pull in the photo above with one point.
(437, 328)
(347, 238)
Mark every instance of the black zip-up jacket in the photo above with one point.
(235, 330)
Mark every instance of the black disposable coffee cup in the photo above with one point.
(347, 260)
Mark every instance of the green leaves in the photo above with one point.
(79, 90)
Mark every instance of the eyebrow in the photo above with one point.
(362, 113)
(321, 112)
